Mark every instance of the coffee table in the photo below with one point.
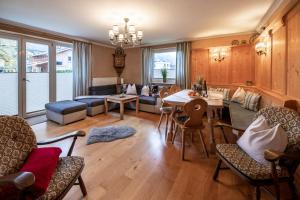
(121, 100)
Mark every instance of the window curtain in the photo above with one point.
(146, 65)
(183, 51)
(81, 68)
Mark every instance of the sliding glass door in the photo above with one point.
(36, 77)
(9, 76)
(33, 72)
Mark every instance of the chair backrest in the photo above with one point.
(195, 110)
(164, 92)
(174, 89)
(289, 121)
(16, 142)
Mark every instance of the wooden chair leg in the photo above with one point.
(257, 192)
(183, 144)
(175, 133)
(82, 186)
(167, 127)
(160, 119)
(293, 189)
(216, 173)
(224, 136)
(203, 143)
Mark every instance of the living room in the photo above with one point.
(149, 99)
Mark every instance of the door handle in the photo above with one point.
(24, 79)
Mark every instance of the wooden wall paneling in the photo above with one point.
(242, 64)
(263, 67)
(279, 61)
(219, 72)
(293, 53)
(199, 65)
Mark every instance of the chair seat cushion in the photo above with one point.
(67, 170)
(150, 100)
(241, 161)
(92, 102)
(182, 118)
(66, 107)
(42, 163)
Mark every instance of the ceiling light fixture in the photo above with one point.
(128, 37)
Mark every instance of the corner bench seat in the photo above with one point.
(240, 117)
(65, 112)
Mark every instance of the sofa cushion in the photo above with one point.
(148, 100)
(103, 90)
(66, 107)
(241, 118)
(92, 102)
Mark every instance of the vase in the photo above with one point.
(164, 80)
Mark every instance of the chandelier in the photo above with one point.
(128, 37)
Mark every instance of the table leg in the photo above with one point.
(137, 104)
(170, 133)
(212, 141)
(105, 105)
(121, 110)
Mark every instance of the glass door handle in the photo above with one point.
(24, 79)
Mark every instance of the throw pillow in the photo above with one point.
(239, 96)
(224, 91)
(42, 163)
(251, 101)
(259, 136)
(131, 89)
(145, 90)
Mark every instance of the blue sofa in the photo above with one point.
(95, 100)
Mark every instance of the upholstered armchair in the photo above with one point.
(282, 164)
(17, 140)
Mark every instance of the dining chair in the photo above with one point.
(165, 109)
(190, 120)
(174, 89)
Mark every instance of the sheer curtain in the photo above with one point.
(81, 68)
(183, 51)
(146, 65)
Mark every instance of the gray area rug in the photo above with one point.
(109, 133)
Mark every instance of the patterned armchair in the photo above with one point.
(282, 164)
(16, 142)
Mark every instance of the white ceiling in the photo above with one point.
(162, 21)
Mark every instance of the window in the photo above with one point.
(64, 73)
(8, 76)
(164, 59)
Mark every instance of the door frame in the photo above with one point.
(51, 58)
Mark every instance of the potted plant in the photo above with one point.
(164, 73)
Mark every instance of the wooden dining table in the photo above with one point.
(214, 105)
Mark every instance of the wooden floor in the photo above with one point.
(145, 166)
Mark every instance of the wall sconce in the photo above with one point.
(261, 48)
(218, 54)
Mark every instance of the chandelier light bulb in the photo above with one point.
(115, 29)
(111, 34)
(121, 37)
(140, 34)
(131, 29)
